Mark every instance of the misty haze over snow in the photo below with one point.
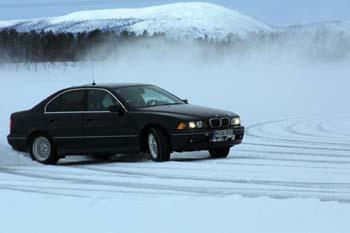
(290, 86)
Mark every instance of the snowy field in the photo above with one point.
(291, 174)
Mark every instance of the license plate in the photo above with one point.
(222, 135)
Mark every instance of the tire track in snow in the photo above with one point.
(289, 189)
(258, 131)
(269, 148)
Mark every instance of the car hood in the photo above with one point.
(189, 110)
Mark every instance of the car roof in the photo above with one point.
(111, 85)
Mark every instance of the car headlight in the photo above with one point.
(191, 125)
(199, 124)
(236, 121)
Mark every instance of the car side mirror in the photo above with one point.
(116, 108)
(185, 100)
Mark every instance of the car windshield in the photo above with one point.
(146, 96)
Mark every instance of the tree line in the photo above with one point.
(47, 46)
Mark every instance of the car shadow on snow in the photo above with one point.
(128, 158)
(86, 160)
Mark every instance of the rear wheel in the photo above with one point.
(43, 150)
(217, 153)
(158, 145)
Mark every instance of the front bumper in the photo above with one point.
(201, 140)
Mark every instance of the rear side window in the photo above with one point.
(100, 100)
(72, 101)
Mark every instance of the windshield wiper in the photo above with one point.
(170, 104)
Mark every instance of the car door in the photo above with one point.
(64, 117)
(105, 130)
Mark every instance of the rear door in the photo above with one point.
(64, 117)
(106, 131)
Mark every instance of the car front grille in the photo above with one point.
(219, 122)
(214, 123)
(225, 122)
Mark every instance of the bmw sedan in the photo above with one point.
(104, 120)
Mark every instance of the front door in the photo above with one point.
(105, 131)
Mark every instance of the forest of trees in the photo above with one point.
(46, 46)
(57, 47)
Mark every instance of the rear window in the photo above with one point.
(72, 101)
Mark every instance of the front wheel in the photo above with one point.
(43, 150)
(217, 153)
(158, 145)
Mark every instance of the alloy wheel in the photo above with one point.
(153, 146)
(41, 148)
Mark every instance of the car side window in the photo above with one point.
(99, 100)
(72, 101)
(150, 94)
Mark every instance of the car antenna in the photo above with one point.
(93, 72)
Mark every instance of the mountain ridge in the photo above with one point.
(184, 20)
(177, 20)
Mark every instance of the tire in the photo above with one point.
(218, 153)
(158, 145)
(43, 150)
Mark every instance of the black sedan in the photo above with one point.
(103, 120)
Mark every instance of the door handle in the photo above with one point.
(52, 120)
(89, 120)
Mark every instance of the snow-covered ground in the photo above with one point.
(291, 174)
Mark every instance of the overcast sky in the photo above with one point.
(275, 12)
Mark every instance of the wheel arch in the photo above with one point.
(32, 134)
(145, 130)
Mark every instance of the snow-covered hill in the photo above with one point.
(179, 20)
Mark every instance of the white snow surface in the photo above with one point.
(178, 20)
(291, 174)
